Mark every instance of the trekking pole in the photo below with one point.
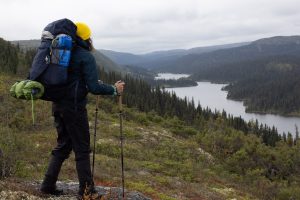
(121, 142)
(95, 133)
(32, 110)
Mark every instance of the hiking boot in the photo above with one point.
(51, 191)
(94, 196)
(91, 196)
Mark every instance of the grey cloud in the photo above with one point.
(142, 26)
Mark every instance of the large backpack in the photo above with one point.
(51, 62)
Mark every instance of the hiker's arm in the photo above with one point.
(91, 78)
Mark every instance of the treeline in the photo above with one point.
(14, 60)
(9, 58)
(141, 95)
(182, 82)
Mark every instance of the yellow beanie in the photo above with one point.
(83, 31)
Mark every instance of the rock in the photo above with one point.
(20, 190)
(143, 173)
(111, 193)
(208, 156)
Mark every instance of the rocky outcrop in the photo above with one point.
(70, 190)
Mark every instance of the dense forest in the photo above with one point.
(13, 59)
(182, 82)
(141, 95)
(8, 57)
(252, 154)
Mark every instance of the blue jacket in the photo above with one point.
(83, 77)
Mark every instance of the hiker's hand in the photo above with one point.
(120, 86)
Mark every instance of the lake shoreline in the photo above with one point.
(248, 110)
(213, 96)
(273, 113)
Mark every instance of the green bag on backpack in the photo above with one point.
(27, 89)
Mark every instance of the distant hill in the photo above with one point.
(194, 63)
(121, 58)
(27, 44)
(161, 58)
(106, 63)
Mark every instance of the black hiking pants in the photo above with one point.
(72, 134)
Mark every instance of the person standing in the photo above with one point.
(70, 116)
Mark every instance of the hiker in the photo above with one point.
(70, 116)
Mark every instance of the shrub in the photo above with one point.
(10, 148)
(108, 149)
(142, 119)
(132, 134)
(289, 193)
(154, 117)
(184, 131)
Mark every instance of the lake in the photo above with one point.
(211, 95)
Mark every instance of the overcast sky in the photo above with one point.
(140, 26)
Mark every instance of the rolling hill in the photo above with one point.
(194, 63)
(160, 58)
